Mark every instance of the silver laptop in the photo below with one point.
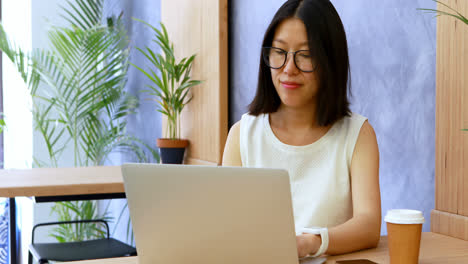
(210, 215)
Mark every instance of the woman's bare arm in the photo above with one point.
(363, 229)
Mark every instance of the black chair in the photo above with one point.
(74, 251)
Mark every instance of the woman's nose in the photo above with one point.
(290, 66)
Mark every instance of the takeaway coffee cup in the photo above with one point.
(404, 235)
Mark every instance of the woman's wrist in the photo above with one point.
(324, 241)
(316, 244)
(313, 242)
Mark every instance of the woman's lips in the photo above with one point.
(290, 85)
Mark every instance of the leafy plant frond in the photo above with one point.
(173, 84)
(83, 14)
(456, 14)
(79, 101)
(78, 210)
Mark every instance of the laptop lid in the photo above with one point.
(210, 215)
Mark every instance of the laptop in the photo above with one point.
(210, 215)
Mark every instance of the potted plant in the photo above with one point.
(171, 90)
(81, 102)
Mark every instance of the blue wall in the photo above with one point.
(146, 124)
(392, 50)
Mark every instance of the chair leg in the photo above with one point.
(31, 259)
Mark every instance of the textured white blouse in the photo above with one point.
(319, 172)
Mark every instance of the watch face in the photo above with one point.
(356, 261)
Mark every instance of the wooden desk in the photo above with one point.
(58, 184)
(61, 181)
(435, 249)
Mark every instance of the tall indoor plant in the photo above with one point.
(170, 89)
(79, 100)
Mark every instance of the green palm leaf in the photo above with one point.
(172, 93)
(456, 14)
(84, 14)
(81, 102)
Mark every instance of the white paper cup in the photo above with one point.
(404, 235)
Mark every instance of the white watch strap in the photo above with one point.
(323, 232)
(324, 246)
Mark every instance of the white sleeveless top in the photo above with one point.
(319, 172)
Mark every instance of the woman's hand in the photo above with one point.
(307, 244)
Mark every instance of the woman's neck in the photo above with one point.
(297, 127)
(295, 118)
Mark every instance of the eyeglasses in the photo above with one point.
(275, 58)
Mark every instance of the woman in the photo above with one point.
(300, 120)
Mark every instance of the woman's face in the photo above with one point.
(295, 87)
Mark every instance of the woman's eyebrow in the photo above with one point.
(284, 42)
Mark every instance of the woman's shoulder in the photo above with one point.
(248, 120)
(350, 126)
(231, 154)
(353, 120)
(356, 117)
(250, 117)
(234, 132)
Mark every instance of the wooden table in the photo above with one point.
(435, 249)
(58, 184)
(61, 181)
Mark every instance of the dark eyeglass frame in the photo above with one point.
(265, 57)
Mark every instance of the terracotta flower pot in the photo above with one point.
(172, 150)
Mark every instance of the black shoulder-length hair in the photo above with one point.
(328, 44)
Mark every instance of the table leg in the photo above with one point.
(13, 232)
